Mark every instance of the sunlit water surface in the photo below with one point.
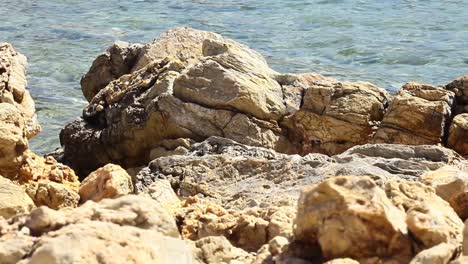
(385, 42)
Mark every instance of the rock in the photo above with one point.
(128, 210)
(418, 115)
(460, 260)
(110, 181)
(183, 43)
(13, 199)
(48, 182)
(232, 77)
(217, 249)
(118, 60)
(246, 229)
(451, 184)
(168, 96)
(336, 116)
(430, 219)
(13, 140)
(342, 261)
(460, 88)
(352, 216)
(251, 176)
(458, 134)
(440, 254)
(52, 194)
(13, 87)
(13, 249)
(130, 228)
(100, 241)
(465, 239)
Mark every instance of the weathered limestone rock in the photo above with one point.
(217, 249)
(110, 181)
(13, 199)
(13, 140)
(352, 216)
(441, 254)
(224, 89)
(183, 43)
(418, 115)
(460, 88)
(130, 228)
(46, 181)
(247, 229)
(458, 134)
(13, 87)
(451, 184)
(337, 115)
(430, 219)
(235, 176)
(232, 77)
(118, 60)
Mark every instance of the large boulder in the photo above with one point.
(186, 84)
(418, 115)
(336, 116)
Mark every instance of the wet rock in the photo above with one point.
(458, 134)
(336, 116)
(352, 216)
(13, 199)
(418, 115)
(460, 88)
(110, 181)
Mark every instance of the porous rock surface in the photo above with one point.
(46, 181)
(194, 84)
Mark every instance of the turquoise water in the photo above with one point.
(385, 42)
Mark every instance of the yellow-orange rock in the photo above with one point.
(110, 181)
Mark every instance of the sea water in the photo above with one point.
(387, 42)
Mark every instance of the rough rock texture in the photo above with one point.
(353, 217)
(131, 228)
(186, 84)
(13, 87)
(337, 115)
(460, 88)
(430, 219)
(191, 84)
(440, 254)
(247, 229)
(418, 115)
(458, 134)
(46, 181)
(451, 184)
(13, 199)
(110, 181)
(115, 62)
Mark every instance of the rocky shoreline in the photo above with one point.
(193, 150)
